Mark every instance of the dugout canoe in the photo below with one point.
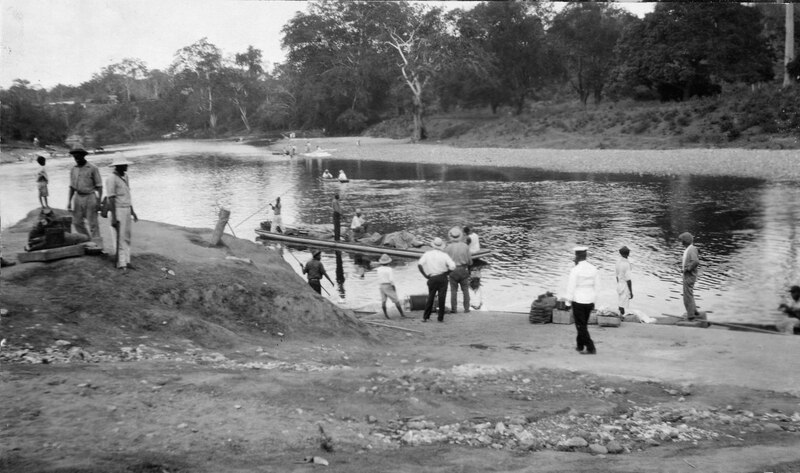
(413, 253)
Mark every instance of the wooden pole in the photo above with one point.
(392, 326)
(216, 237)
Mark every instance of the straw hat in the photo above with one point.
(78, 152)
(437, 243)
(385, 259)
(455, 233)
(120, 161)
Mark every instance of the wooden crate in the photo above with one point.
(563, 317)
(605, 321)
(51, 254)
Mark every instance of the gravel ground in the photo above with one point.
(775, 165)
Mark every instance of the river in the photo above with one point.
(746, 229)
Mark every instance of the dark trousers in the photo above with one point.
(315, 285)
(459, 277)
(436, 284)
(337, 225)
(581, 313)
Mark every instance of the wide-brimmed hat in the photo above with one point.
(120, 161)
(385, 259)
(316, 252)
(78, 152)
(686, 237)
(437, 243)
(580, 249)
(454, 233)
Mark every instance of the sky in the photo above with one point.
(50, 42)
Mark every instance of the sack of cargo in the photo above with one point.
(542, 309)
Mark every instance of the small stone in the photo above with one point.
(598, 449)
(362, 389)
(771, 427)
(614, 447)
(500, 428)
(576, 442)
(622, 390)
(183, 425)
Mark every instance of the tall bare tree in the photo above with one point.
(788, 52)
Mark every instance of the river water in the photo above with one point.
(746, 229)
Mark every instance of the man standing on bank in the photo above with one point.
(435, 265)
(387, 288)
(691, 260)
(337, 217)
(459, 252)
(119, 196)
(584, 278)
(86, 187)
(277, 220)
(624, 284)
(315, 271)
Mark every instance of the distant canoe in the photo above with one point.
(334, 179)
(413, 253)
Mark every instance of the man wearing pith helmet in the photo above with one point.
(85, 194)
(121, 205)
(584, 279)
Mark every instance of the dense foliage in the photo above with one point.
(352, 64)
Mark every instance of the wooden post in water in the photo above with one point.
(216, 237)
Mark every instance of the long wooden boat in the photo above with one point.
(413, 253)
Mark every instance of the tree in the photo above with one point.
(198, 68)
(426, 50)
(128, 71)
(585, 35)
(685, 49)
(512, 36)
(788, 56)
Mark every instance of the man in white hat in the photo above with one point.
(584, 280)
(121, 210)
(85, 194)
(459, 252)
(435, 265)
(691, 260)
(387, 287)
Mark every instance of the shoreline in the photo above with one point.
(773, 165)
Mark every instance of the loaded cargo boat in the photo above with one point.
(309, 238)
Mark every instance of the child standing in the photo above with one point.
(41, 182)
(387, 287)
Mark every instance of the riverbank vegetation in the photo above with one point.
(496, 74)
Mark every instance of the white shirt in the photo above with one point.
(623, 270)
(474, 243)
(385, 275)
(584, 279)
(118, 187)
(342, 176)
(357, 222)
(435, 262)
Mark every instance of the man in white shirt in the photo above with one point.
(435, 265)
(624, 283)
(119, 196)
(691, 260)
(472, 240)
(387, 287)
(584, 278)
(358, 226)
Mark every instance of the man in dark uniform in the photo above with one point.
(315, 271)
(337, 217)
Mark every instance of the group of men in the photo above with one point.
(85, 196)
(448, 264)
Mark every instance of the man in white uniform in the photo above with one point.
(119, 196)
(624, 284)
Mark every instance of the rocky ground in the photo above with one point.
(208, 359)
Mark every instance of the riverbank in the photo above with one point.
(775, 165)
(222, 359)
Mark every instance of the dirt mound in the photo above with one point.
(180, 291)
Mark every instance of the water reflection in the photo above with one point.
(746, 229)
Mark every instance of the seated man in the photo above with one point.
(327, 175)
(358, 226)
(791, 307)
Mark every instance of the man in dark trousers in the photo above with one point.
(337, 217)
(435, 265)
(315, 271)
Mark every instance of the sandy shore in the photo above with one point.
(761, 164)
